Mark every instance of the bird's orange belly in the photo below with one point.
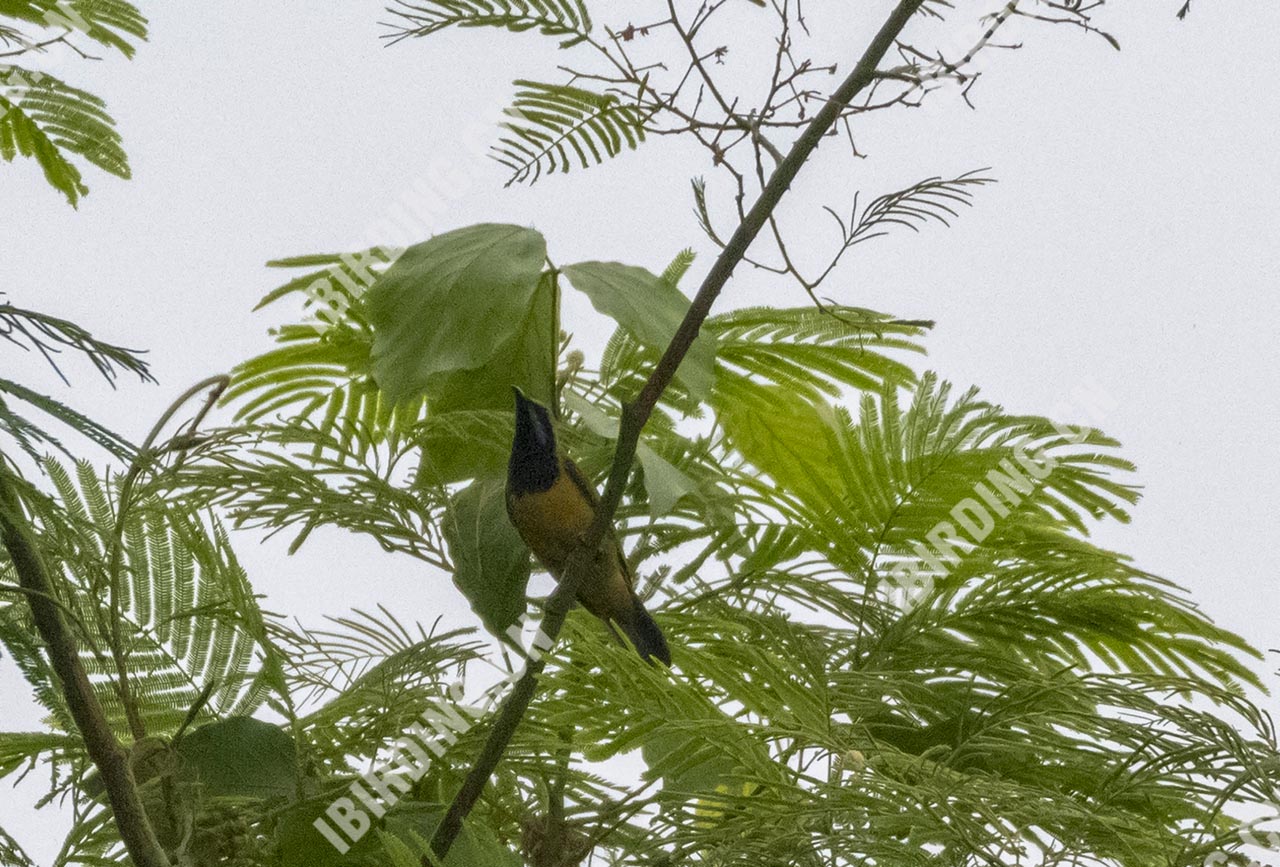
(552, 523)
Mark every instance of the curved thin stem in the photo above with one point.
(219, 383)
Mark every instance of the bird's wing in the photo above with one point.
(593, 497)
(580, 481)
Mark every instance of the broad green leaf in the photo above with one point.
(650, 308)
(302, 845)
(526, 360)
(490, 562)
(596, 419)
(461, 445)
(452, 303)
(241, 756)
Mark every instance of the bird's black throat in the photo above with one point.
(534, 464)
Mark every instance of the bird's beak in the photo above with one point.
(532, 413)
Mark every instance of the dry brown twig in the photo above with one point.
(738, 130)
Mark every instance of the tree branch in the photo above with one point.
(111, 759)
(636, 413)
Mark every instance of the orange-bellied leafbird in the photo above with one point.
(552, 505)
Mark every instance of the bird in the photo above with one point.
(552, 506)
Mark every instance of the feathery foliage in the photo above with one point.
(159, 590)
(44, 118)
(1026, 694)
(50, 336)
(566, 19)
(30, 436)
(11, 854)
(111, 23)
(933, 199)
(51, 121)
(893, 640)
(554, 127)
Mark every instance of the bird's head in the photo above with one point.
(534, 464)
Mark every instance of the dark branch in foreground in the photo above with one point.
(636, 413)
(110, 758)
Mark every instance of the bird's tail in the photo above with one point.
(644, 633)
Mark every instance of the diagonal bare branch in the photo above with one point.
(636, 413)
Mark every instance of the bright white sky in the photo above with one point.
(1130, 247)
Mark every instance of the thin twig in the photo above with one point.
(40, 47)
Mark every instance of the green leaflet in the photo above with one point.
(664, 483)
(491, 563)
(108, 22)
(784, 435)
(650, 308)
(19, 749)
(555, 127)
(11, 854)
(43, 117)
(46, 119)
(561, 18)
(29, 435)
(241, 756)
(448, 305)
